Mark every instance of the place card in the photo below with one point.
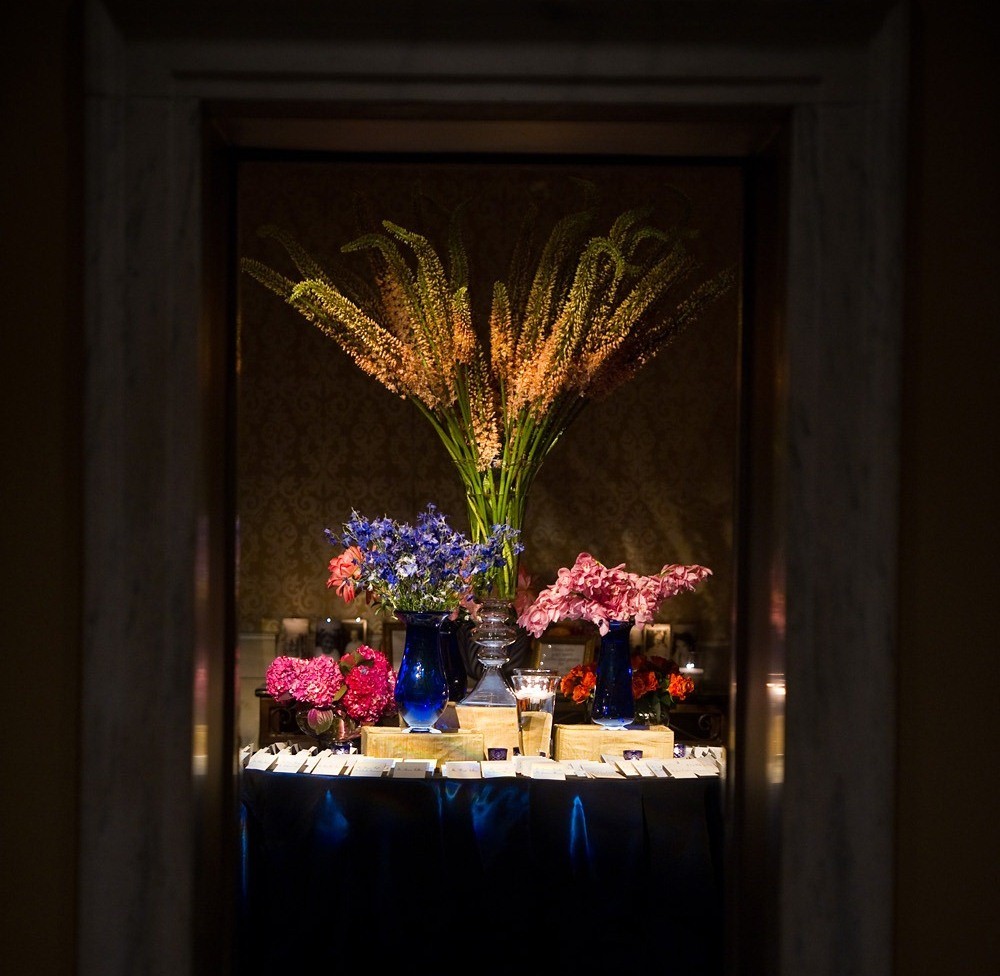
(462, 769)
(525, 764)
(705, 766)
(655, 766)
(261, 759)
(681, 768)
(312, 759)
(642, 767)
(497, 768)
(413, 768)
(290, 762)
(370, 766)
(552, 770)
(627, 767)
(329, 764)
(599, 770)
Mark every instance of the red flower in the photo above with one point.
(344, 570)
(680, 686)
(578, 683)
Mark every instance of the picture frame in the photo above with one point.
(657, 640)
(684, 643)
(562, 653)
(353, 629)
(393, 641)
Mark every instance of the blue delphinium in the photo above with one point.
(426, 566)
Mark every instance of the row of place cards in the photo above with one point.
(292, 760)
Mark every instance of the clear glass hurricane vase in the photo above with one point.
(422, 681)
(329, 727)
(613, 704)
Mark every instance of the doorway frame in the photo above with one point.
(814, 100)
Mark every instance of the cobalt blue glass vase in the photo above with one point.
(422, 681)
(614, 706)
(454, 664)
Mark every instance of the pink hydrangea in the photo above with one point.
(589, 590)
(359, 685)
(370, 682)
(282, 674)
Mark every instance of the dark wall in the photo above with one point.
(946, 904)
(41, 331)
(946, 823)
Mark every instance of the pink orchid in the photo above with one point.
(589, 590)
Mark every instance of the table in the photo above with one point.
(557, 876)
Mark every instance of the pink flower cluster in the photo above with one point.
(598, 593)
(359, 684)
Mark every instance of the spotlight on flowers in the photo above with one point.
(421, 567)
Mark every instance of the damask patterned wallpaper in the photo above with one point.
(645, 477)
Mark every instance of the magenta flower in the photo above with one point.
(358, 685)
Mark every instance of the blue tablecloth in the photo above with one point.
(588, 873)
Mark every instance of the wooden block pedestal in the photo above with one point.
(594, 741)
(384, 742)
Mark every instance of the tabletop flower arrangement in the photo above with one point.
(427, 566)
(333, 696)
(589, 590)
(614, 600)
(424, 574)
(657, 685)
(580, 314)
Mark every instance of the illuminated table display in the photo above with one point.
(609, 870)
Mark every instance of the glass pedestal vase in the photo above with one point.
(330, 729)
(491, 637)
(613, 705)
(422, 682)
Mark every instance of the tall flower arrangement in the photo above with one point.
(580, 314)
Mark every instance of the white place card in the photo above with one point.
(262, 759)
(656, 767)
(680, 768)
(573, 767)
(617, 759)
(627, 768)
(462, 769)
(642, 767)
(547, 771)
(312, 760)
(370, 766)
(290, 762)
(329, 764)
(600, 770)
(705, 767)
(525, 764)
(498, 768)
(413, 768)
